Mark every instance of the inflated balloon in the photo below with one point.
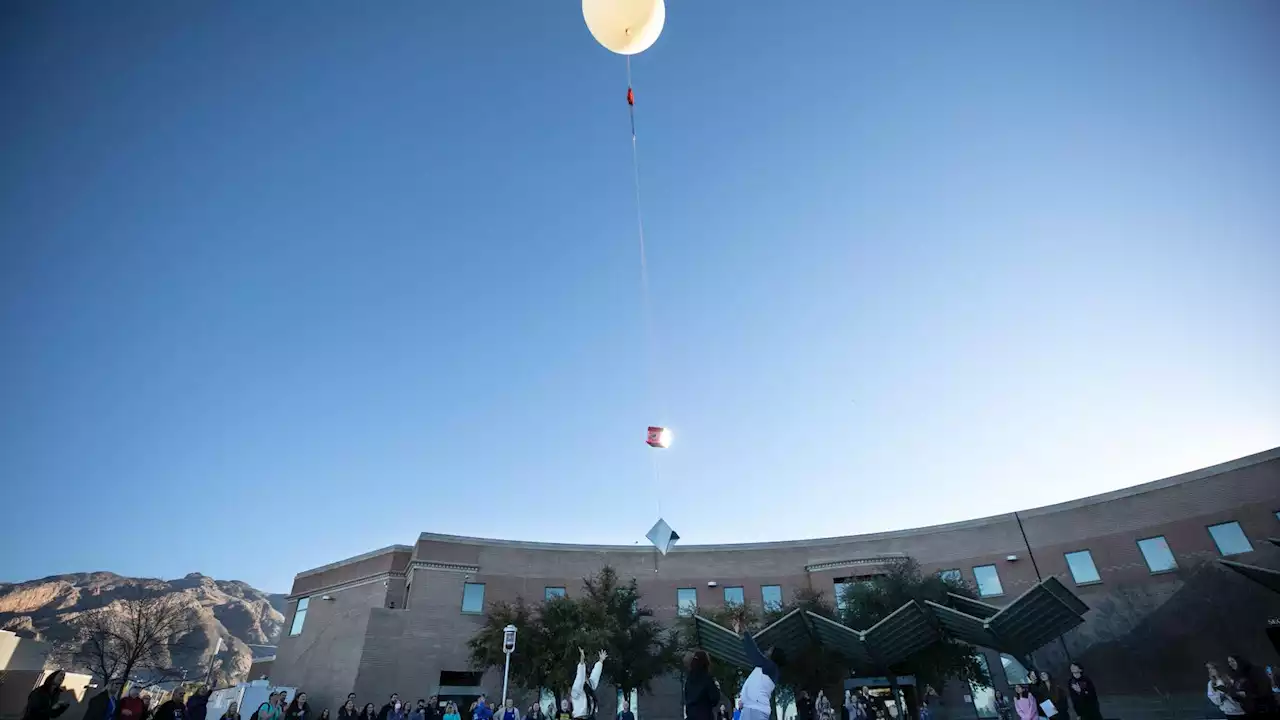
(626, 27)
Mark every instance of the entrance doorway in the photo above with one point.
(888, 707)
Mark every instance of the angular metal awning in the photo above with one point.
(1036, 617)
(964, 627)
(1265, 577)
(790, 633)
(842, 639)
(1039, 615)
(969, 606)
(720, 642)
(905, 632)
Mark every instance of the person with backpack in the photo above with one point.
(270, 710)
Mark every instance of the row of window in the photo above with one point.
(770, 598)
(1229, 538)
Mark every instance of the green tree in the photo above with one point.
(867, 603)
(607, 616)
(613, 618)
(542, 634)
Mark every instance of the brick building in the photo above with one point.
(1143, 559)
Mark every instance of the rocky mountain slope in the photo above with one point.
(230, 610)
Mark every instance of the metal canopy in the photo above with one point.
(905, 632)
(720, 642)
(842, 639)
(1036, 617)
(969, 606)
(790, 633)
(1265, 577)
(1040, 614)
(963, 627)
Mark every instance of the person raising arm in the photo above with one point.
(583, 692)
(757, 691)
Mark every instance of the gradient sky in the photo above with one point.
(285, 282)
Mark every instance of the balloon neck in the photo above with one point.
(628, 32)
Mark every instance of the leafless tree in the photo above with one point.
(129, 636)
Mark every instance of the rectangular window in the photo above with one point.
(1230, 539)
(299, 616)
(553, 592)
(771, 597)
(841, 588)
(1014, 672)
(734, 596)
(686, 601)
(1083, 571)
(951, 576)
(1156, 552)
(984, 696)
(473, 598)
(988, 580)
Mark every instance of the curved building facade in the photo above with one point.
(1144, 559)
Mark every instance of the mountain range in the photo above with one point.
(247, 620)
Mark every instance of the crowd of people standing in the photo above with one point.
(1242, 691)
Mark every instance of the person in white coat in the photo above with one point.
(583, 692)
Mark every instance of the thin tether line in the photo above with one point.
(646, 299)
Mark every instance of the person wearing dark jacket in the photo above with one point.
(1249, 689)
(1084, 695)
(1057, 694)
(804, 706)
(701, 695)
(393, 703)
(43, 703)
(198, 704)
(171, 709)
(348, 710)
(298, 709)
(432, 711)
(104, 705)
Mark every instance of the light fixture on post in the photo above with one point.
(508, 647)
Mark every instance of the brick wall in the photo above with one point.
(1172, 621)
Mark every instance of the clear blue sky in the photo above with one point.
(371, 269)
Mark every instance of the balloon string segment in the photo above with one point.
(650, 335)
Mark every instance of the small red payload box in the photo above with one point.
(659, 437)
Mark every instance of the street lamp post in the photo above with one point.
(508, 647)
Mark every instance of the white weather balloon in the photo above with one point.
(627, 27)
